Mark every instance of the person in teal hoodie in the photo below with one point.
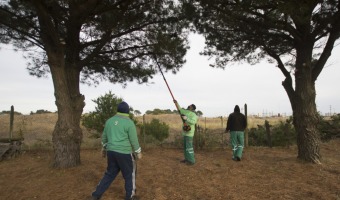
(120, 143)
(189, 120)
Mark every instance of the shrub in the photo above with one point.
(41, 111)
(329, 129)
(156, 129)
(9, 112)
(106, 108)
(282, 134)
(257, 137)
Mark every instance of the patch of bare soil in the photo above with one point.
(263, 173)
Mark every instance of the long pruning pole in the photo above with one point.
(173, 98)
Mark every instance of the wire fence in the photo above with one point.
(209, 134)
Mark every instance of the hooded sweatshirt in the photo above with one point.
(236, 120)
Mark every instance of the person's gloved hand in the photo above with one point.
(175, 101)
(186, 127)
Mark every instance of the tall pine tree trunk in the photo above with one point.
(67, 134)
(305, 116)
(305, 123)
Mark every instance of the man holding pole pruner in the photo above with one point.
(189, 119)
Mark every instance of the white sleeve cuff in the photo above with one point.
(138, 150)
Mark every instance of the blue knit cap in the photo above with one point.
(123, 107)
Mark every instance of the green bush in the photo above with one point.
(282, 134)
(156, 129)
(105, 109)
(257, 137)
(9, 112)
(158, 111)
(41, 111)
(329, 129)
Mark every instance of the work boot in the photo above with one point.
(189, 163)
(93, 198)
(183, 161)
(238, 158)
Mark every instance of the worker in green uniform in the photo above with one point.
(121, 147)
(189, 120)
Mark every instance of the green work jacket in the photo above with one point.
(120, 135)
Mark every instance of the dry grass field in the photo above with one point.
(263, 173)
(37, 129)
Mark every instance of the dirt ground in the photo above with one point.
(263, 173)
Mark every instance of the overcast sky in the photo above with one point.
(215, 92)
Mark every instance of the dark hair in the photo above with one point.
(193, 106)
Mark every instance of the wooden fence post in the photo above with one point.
(222, 134)
(286, 134)
(269, 138)
(11, 120)
(144, 144)
(246, 130)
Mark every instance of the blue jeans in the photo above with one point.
(117, 162)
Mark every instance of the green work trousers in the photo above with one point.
(237, 143)
(189, 149)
